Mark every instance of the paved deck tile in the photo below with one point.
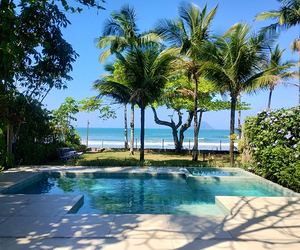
(3, 219)
(105, 244)
(83, 226)
(140, 226)
(256, 229)
(27, 226)
(268, 244)
(9, 209)
(192, 227)
(18, 243)
(19, 198)
(44, 209)
(220, 244)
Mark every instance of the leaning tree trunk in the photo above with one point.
(172, 125)
(125, 128)
(184, 127)
(232, 121)
(195, 149)
(132, 130)
(142, 153)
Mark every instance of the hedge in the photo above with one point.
(273, 138)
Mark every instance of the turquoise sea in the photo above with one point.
(209, 139)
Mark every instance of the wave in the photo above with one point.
(165, 145)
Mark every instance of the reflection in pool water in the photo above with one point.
(147, 194)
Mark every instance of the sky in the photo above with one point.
(87, 26)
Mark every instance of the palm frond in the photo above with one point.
(115, 90)
(111, 28)
(170, 31)
(104, 55)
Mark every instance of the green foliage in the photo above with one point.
(10, 160)
(274, 140)
(34, 58)
(35, 138)
(91, 104)
(3, 126)
(62, 119)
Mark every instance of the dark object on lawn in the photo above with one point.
(68, 153)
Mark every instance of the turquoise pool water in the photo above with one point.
(141, 194)
(214, 173)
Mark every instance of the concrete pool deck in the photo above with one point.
(42, 221)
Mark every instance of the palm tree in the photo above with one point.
(115, 86)
(232, 63)
(279, 71)
(286, 17)
(147, 69)
(120, 32)
(188, 33)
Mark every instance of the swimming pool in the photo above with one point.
(148, 193)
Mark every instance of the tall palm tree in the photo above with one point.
(147, 69)
(188, 33)
(232, 63)
(120, 32)
(286, 17)
(115, 86)
(279, 70)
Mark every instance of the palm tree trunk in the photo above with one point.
(299, 81)
(199, 121)
(232, 121)
(132, 130)
(239, 120)
(270, 97)
(195, 148)
(125, 128)
(142, 153)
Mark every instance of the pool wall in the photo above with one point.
(245, 176)
(22, 184)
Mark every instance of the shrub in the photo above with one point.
(273, 138)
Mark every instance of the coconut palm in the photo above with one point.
(286, 17)
(114, 86)
(279, 70)
(188, 33)
(120, 32)
(147, 69)
(233, 63)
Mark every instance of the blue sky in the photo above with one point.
(87, 26)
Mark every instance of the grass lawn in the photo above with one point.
(161, 159)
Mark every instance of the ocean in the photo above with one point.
(209, 139)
